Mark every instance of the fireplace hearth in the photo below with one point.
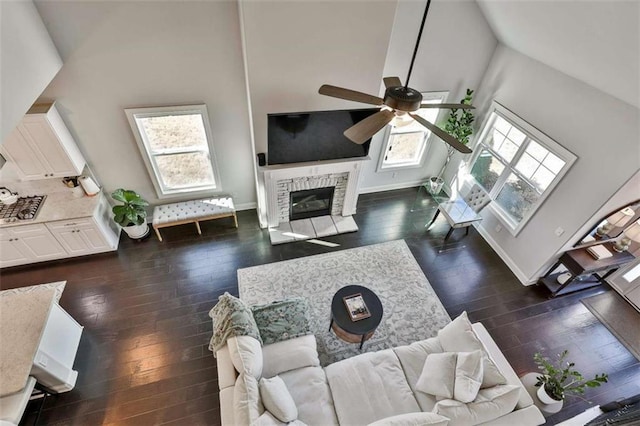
(310, 203)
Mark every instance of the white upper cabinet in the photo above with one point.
(42, 147)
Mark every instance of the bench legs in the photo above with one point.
(198, 227)
(235, 219)
(196, 222)
(158, 233)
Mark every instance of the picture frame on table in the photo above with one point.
(356, 307)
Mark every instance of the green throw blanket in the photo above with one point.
(231, 318)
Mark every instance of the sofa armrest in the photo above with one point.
(501, 362)
(227, 373)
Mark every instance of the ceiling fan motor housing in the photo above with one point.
(402, 98)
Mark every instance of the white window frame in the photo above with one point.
(531, 133)
(147, 156)
(426, 96)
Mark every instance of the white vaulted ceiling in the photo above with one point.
(597, 42)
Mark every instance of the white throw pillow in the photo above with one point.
(469, 374)
(413, 419)
(490, 404)
(438, 375)
(277, 400)
(247, 406)
(246, 355)
(458, 336)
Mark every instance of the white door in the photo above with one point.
(21, 153)
(47, 145)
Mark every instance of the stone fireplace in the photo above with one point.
(281, 181)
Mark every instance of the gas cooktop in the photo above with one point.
(23, 210)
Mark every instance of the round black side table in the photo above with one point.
(341, 323)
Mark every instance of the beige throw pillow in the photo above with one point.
(458, 336)
(438, 375)
(247, 406)
(468, 376)
(277, 400)
(246, 355)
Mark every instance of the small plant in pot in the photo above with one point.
(560, 379)
(131, 214)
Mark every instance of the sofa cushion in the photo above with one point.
(231, 317)
(468, 376)
(289, 355)
(247, 406)
(490, 404)
(267, 419)
(412, 358)
(413, 419)
(458, 336)
(370, 387)
(438, 375)
(310, 391)
(282, 320)
(277, 400)
(246, 355)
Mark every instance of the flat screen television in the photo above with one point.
(314, 136)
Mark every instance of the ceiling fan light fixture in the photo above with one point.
(401, 119)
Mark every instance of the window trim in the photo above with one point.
(154, 174)
(532, 133)
(426, 96)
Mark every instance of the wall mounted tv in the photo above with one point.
(314, 136)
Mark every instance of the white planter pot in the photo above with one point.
(136, 232)
(544, 397)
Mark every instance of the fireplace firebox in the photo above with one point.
(310, 203)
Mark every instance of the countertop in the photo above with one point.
(23, 316)
(60, 204)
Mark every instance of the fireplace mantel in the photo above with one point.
(318, 173)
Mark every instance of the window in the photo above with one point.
(175, 143)
(405, 144)
(518, 165)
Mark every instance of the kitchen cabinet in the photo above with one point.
(27, 244)
(79, 236)
(42, 147)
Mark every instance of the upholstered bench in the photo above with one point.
(193, 211)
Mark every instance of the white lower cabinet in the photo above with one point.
(27, 244)
(79, 236)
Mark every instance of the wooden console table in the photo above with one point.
(580, 263)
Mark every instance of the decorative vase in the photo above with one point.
(435, 184)
(136, 232)
(544, 397)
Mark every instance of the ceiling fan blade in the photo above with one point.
(455, 143)
(392, 82)
(365, 129)
(350, 95)
(448, 106)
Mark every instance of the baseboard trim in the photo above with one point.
(391, 187)
(522, 277)
(247, 206)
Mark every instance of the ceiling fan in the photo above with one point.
(399, 100)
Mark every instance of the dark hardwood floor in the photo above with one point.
(143, 357)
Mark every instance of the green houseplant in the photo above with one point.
(131, 214)
(560, 379)
(458, 125)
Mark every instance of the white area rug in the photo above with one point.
(58, 286)
(412, 311)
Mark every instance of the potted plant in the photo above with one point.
(131, 214)
(560, 379)
(457, 125)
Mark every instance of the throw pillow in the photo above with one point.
(490, 404)
(469, 374)
(413, 419)
(277, 400)
(458, 336)
(438, 375)
(282, 320)
(246, 355)
(231, 317)
(247, 406)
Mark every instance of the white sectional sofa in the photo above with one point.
(367, 388)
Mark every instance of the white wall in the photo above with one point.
(456, 47)
(602, 131)
(28, 61)
(129, 54)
